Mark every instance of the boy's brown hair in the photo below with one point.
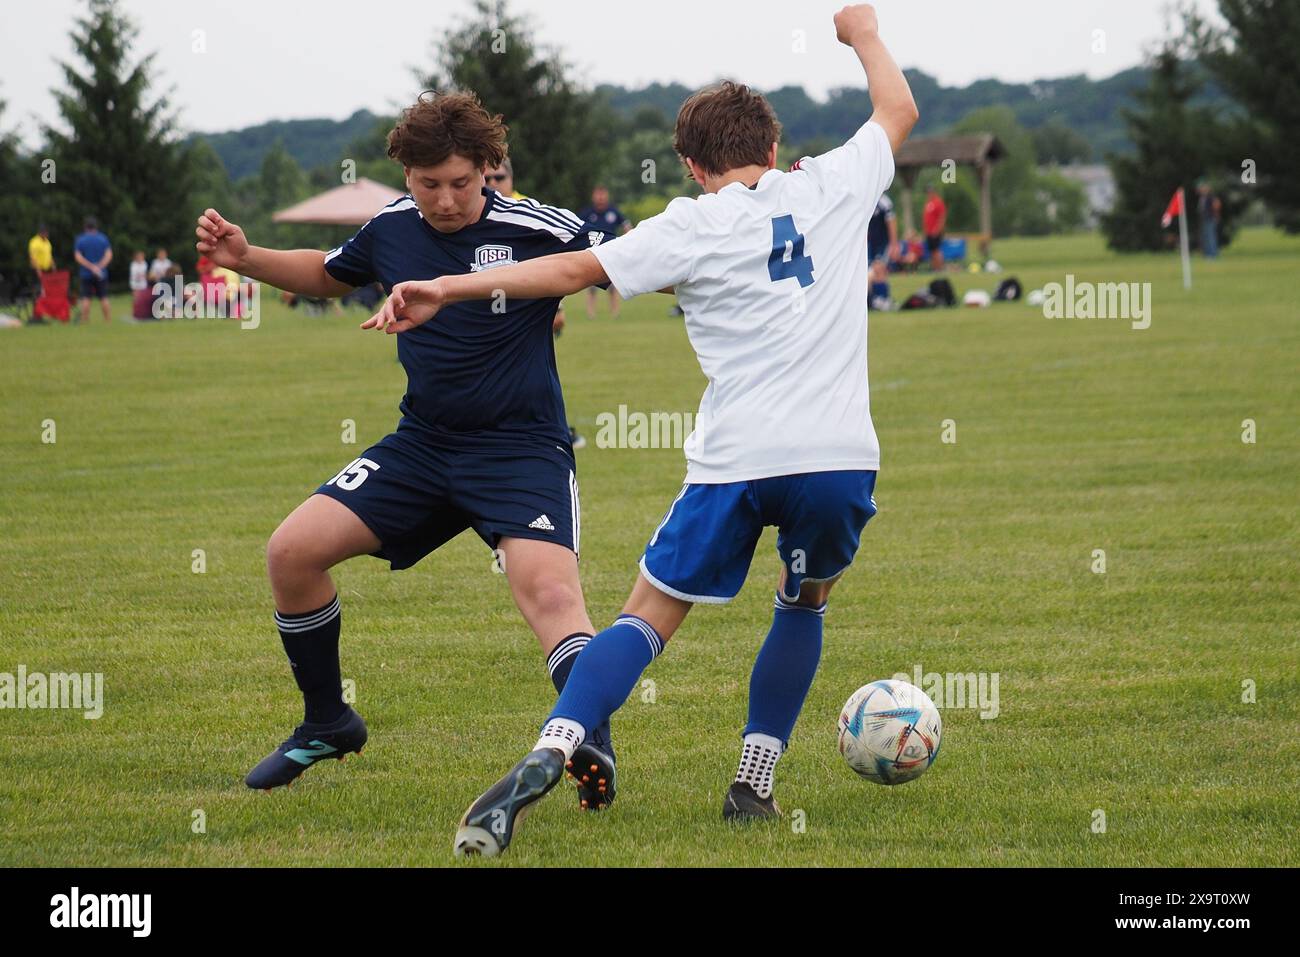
(724, 127)
(439, 125)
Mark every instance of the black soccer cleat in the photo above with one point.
(308, 744)
(486, 828)
(592, 770)
(742, 803)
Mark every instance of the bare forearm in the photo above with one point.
(891, 97)
(548, 277)
(296, 270)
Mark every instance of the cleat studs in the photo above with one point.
(568, 764)
(601, 782)
(585, 779)
(594, 768)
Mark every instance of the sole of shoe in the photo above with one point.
(477, 835)
(592, 773)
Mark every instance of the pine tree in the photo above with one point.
(1254, 59)
(116, 155)
(19, 185)
(1175, 145)
(280, 183)
(555, 141)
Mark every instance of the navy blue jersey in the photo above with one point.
(878, 226)
(608, 220)
(471, 371)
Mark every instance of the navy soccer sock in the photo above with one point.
(311, 640)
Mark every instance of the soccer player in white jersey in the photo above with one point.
(769, 269)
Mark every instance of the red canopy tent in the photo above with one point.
(352, 204)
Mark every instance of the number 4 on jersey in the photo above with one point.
(788, 259)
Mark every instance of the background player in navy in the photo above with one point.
(882, 248)
(610, 221)
(482, 442)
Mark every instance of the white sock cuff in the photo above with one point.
(758, 762)
(561, 734)
(765, 741)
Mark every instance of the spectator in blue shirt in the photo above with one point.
(610, 222)
(93, 253)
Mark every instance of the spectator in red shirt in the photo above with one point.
(933, 218)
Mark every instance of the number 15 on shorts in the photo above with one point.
(354, 473)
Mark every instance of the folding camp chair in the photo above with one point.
(53, 302)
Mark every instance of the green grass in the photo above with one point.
(1119, 691)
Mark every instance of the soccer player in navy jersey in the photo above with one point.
(482, 442)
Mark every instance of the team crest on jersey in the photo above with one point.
(491, 256)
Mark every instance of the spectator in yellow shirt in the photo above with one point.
(39, 252)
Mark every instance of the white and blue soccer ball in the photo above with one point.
(890, 731)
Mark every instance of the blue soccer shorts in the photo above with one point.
(702, 549)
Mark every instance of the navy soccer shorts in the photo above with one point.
(416, 494)
(702, 549)
(94, 287)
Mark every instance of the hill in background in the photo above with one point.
(1089, 108)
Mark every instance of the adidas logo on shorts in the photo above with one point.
(543, 523)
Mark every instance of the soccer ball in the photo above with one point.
(889, 731)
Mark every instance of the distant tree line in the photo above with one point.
(1210, 103)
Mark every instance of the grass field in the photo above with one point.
(1120, 692)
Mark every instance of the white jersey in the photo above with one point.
(773, 282)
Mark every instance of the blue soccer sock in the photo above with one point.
(784, 669)
(560, 664)
(602, 678)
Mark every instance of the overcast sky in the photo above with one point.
(283, 59)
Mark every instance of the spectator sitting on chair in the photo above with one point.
(93, 253)
(138, 272)
(40, 254)
(139, 283)
(161, 266)
(600, 215)
(933, 219)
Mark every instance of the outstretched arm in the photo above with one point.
(891, 97)
(296, 270)
(413, 303)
